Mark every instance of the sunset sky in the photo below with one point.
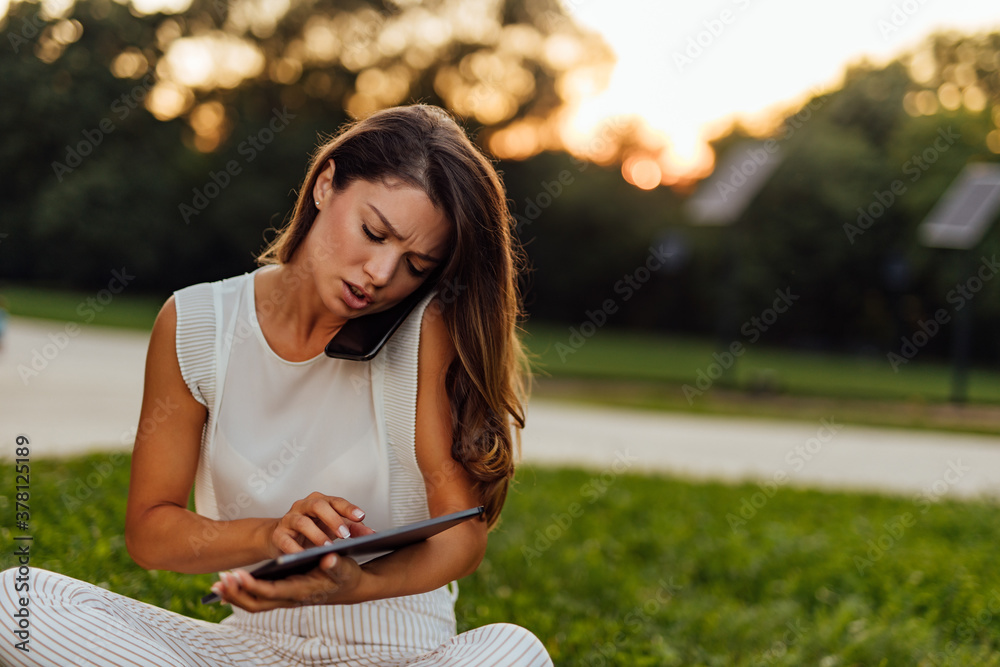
(685, 70)
(689, 68)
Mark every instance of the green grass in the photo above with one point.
(114, 310)
(615, 569)
(671, 361)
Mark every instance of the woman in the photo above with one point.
(288, 449)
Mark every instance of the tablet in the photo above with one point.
(377, 543)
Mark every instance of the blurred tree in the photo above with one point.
(586, 233)
(169, 142)
(165, 136)
(837, 221)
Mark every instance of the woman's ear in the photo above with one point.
(324, 184)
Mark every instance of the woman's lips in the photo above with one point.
(353, 300)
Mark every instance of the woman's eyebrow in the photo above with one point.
(392, 230)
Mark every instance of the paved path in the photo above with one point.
(70, 390)
(821, 454)
(78, 391)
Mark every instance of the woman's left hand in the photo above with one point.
(332, 582)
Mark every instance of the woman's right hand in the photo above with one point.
(316, 520)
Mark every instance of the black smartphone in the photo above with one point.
(361, 338)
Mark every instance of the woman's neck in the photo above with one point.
(292, 317)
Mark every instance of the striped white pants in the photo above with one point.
(72, 623)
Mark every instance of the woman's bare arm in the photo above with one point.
(160, 532)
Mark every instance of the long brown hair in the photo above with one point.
(487, 382)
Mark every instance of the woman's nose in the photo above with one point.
(380, 267)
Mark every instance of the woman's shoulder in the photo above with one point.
(192, 317)
(224, 285)
(407, 348)
(198, 302)
(434, 333)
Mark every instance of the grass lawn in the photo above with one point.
(114, 310)
(660, 372)
(611, 354)
(613, 569)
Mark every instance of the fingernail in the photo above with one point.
(333, 562)
(217, 588)
(327, 542)
(358, 514)
(343, 531)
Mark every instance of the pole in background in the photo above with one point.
(720, 201)
(959, 221)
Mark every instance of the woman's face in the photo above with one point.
(372, 244)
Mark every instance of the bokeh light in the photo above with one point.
(738, 77)
(606, 64)
(993, 141)
(129, 64)
(161, 6)
(974, 99)
(950, 96)
(926, 103)
(208, 120)
(168, 100)
(644, 173)
(213, 60)
(259, 17)
(55, 38)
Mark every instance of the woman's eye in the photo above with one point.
(368, 233)
(415, 271)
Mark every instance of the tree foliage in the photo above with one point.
(120, 150)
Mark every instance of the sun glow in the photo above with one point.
(687, 71)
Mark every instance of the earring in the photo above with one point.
(317, 203)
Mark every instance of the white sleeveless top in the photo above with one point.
(279, 430)
(288, 428)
